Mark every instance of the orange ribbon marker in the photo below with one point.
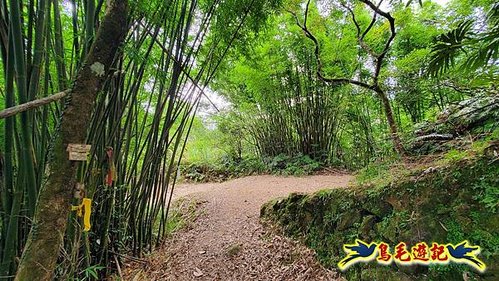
(111, 169)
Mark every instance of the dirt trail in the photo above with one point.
(227, 241)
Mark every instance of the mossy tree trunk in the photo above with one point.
(394, 134)
(46, 237)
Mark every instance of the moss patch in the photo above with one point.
(455, 200)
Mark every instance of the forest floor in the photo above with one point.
(227, 241)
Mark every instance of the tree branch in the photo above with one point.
(309, 35)
(379, 59)
(360, 37)
(32, 104)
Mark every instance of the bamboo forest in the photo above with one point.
(249, 140)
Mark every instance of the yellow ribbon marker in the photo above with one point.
(84, 210)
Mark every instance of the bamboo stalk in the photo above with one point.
(26, 125)
(38, 48)
(41, 252)
(9, 191)
(59, 48)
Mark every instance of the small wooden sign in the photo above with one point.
(78, 152)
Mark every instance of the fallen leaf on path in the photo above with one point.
(197, 272)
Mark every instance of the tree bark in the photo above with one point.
(394, 135)
(41, 252)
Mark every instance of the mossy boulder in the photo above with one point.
(473, 115)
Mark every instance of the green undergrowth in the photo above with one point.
(183, 212)
(226, 169)
(296, 165)
(222, 170)
(453, 197)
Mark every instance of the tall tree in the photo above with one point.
(378, 59)
(46, 237)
